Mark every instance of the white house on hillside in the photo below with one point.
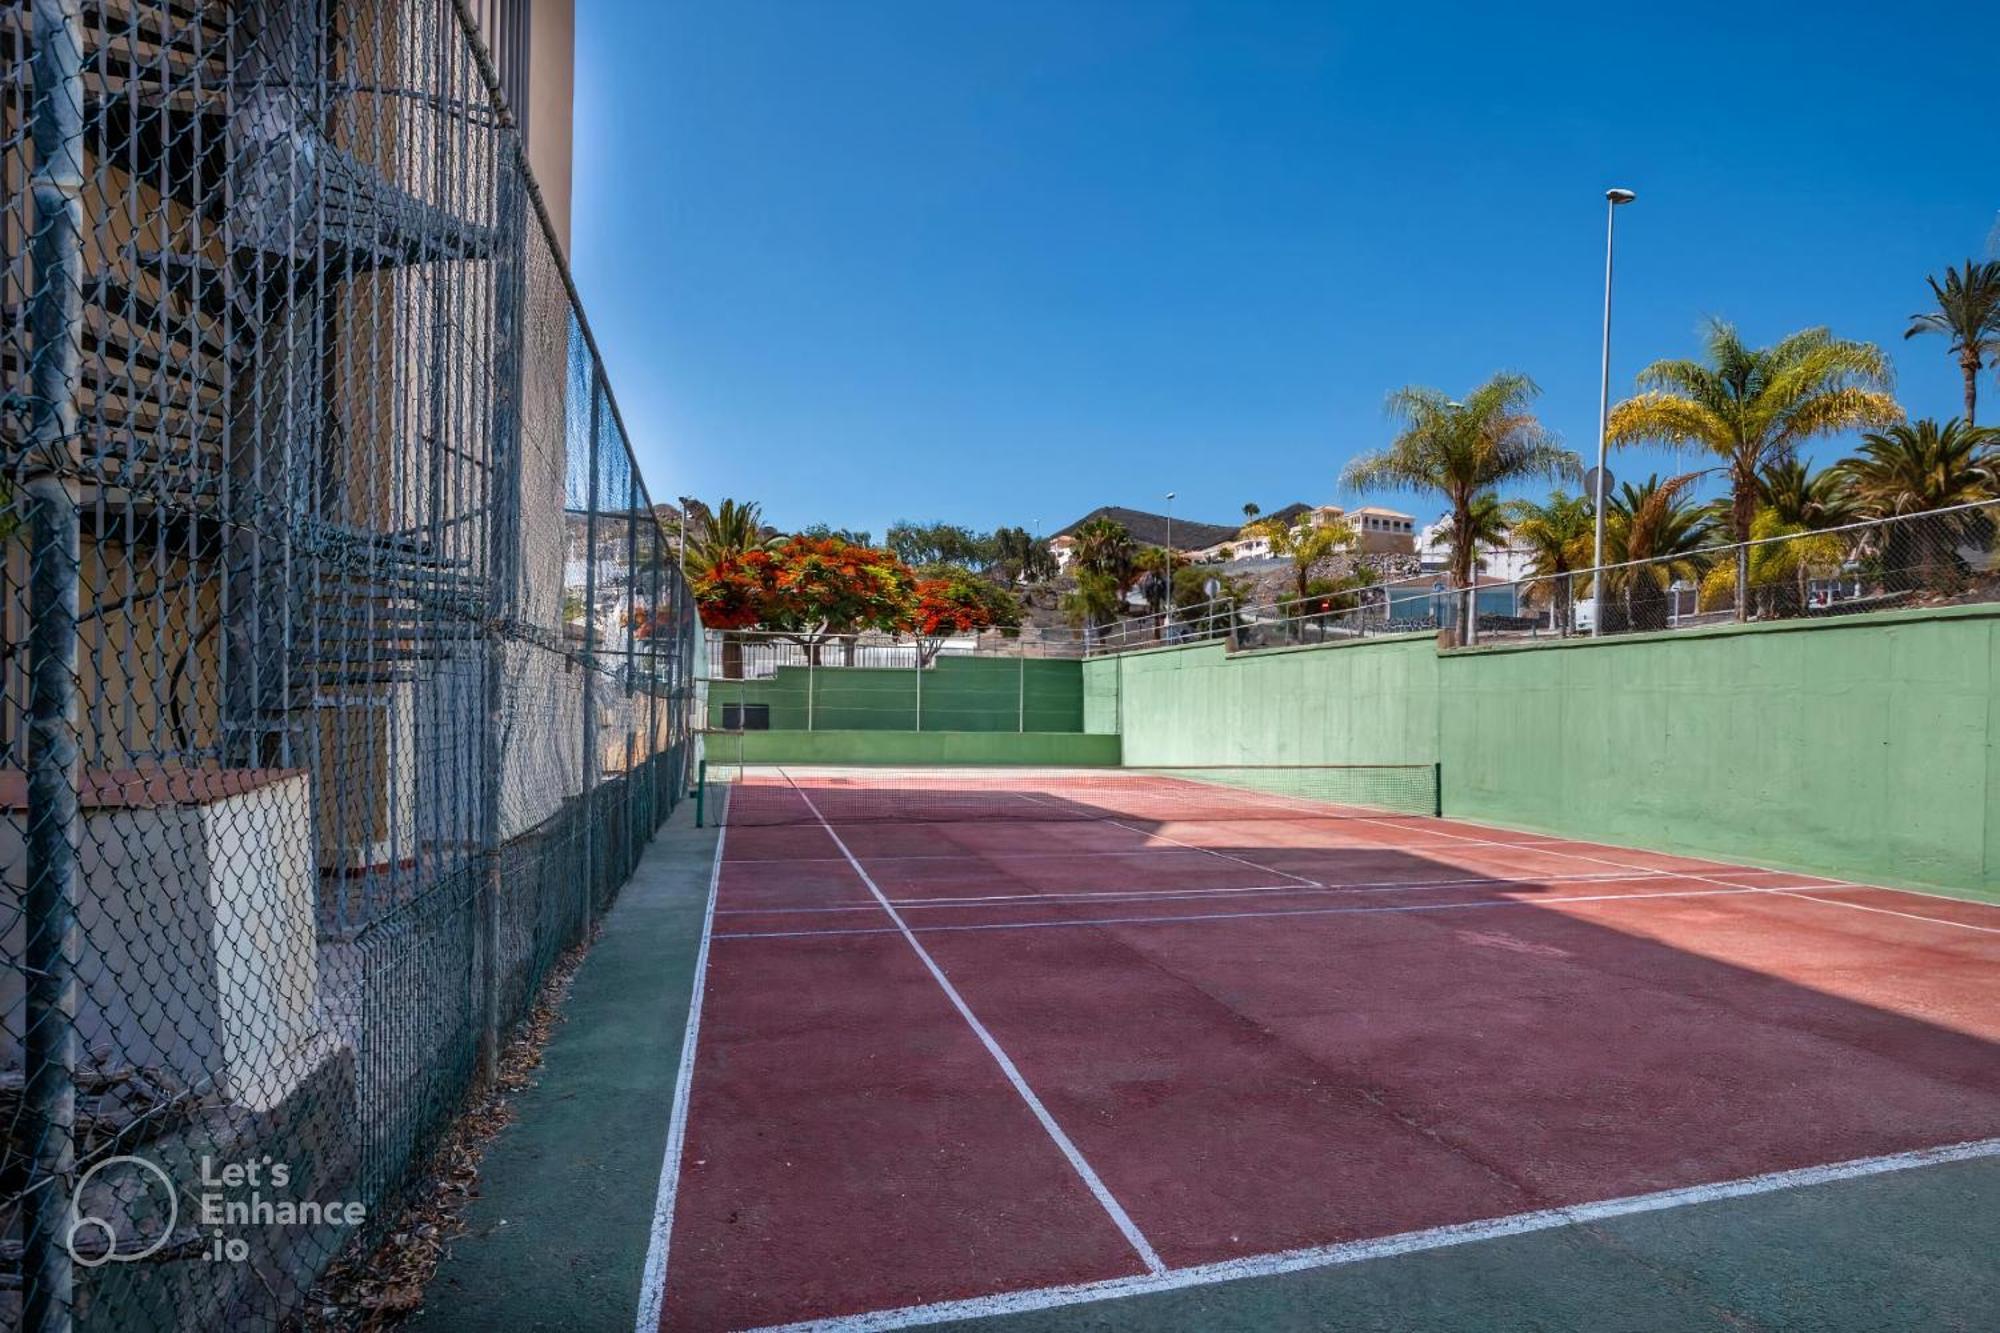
(1506, 563)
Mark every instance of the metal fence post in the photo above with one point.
(590, 657)
(918, 645)
(1021, 691)
(653, 765)
(1742, 582)
(503, 483)
(54, 762)
(811, 674)
(633, 508)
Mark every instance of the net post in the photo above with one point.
(1021, 691)
(700, 791)
(918, 643)
(1437, 789)
(812, 674)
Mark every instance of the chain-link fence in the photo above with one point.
(346, 669)
(771, 680)
(1938, 557)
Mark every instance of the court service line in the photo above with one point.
(1226, 856)
(1145, 895)
(1888, 911)
(1077, 1161)
(1719, 866)
(1826, 881)
(1388, 1247)
(1191, 846)
(653, 1281)
(1729, 891)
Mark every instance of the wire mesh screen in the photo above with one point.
(345, 672)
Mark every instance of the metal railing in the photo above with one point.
(1934, 558)
(1931, 558)
(346, 670)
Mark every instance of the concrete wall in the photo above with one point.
(1865, 747)
(959, 694)
(914, 747)
(1373, 701)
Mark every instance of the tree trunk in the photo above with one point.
(1742, 514)
(1971, 368)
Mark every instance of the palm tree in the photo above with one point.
(1095, 602)
(1307, 545)
(1803, 500)
(1914, 468)
(1104, 547)
(1752, 406)
(1485, 527)
(1557, 535)
(1795, 508)
(1968, 313)
(1154, 567)
(1462, 451)
(1251, 510)
(732, 528)
(1654, 524)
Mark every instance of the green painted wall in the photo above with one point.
(1369, 702)
(914, 747)
(1859, 748)
(959, 694)
(1864, 748)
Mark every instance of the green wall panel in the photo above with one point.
(1866, 748)
(915, 747)
(1856, 749)
(959, 694)
(1369, 702)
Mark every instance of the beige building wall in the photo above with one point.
(533, 43)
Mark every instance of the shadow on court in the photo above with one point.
(951, 1059)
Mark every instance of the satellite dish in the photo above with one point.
(1590, 484)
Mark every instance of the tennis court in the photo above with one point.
(979, 1041)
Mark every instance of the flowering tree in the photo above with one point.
(958, 602)
(810, 589)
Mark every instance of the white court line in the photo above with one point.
(1143, 895)
(1193, 847)
(1583, 856)
(1386, 1247)
(1889, 911)
(1826, 881)
(653, 1282)
(1082, 1167)
(1726, 892)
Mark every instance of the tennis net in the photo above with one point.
(766, 794)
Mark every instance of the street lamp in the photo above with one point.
(1612, 199)
(1170, 566)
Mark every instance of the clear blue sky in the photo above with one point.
(1001, 262)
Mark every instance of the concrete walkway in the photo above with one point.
(557, 1238)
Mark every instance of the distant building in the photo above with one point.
(1383, 531)
(1509, 562)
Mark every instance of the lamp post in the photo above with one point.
(1612, 199)
(1170, 566)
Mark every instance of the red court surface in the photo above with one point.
(951, 1060)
